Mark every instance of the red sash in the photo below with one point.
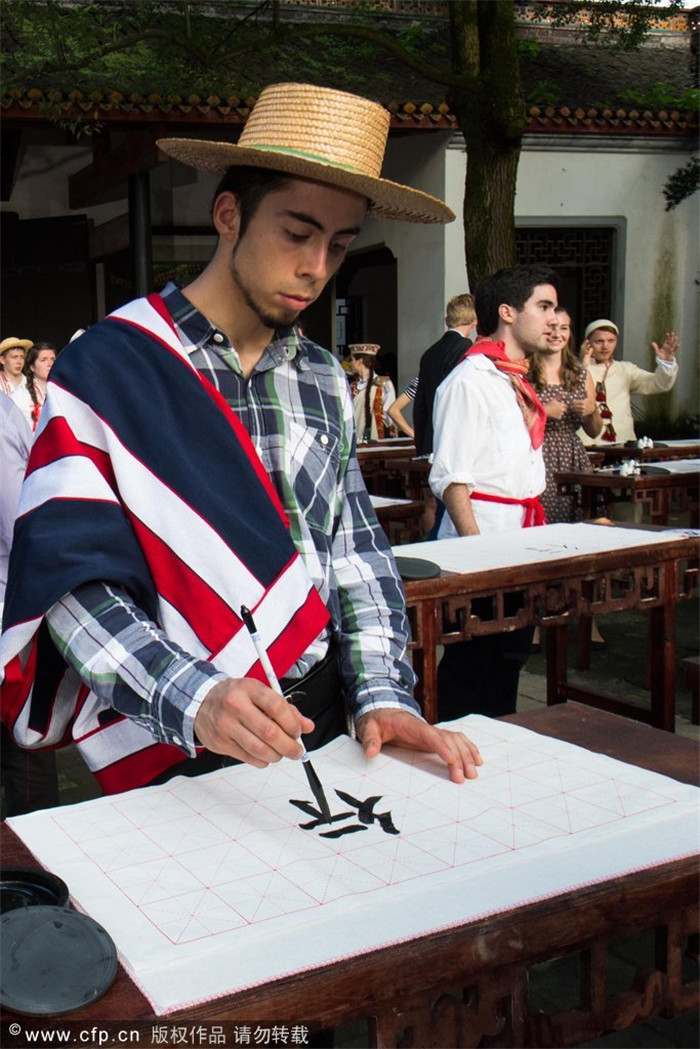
(534, 512)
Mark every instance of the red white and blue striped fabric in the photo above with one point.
(142, 476)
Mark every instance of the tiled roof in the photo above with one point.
(114, 107)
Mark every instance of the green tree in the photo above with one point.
(197, 48)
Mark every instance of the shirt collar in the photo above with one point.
(196, 331)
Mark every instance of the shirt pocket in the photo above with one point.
(307, 463)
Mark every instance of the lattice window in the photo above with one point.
(583, 260)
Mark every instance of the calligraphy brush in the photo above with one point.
(311, 774)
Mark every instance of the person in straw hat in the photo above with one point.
(225, 477)
(13, 382)
(372, 394)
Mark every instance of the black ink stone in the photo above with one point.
(53, 961)
(30, 887)
(417, 568)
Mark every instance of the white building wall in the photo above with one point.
(417, 161)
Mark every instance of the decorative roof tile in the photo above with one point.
(113, 107)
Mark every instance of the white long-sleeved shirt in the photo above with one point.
(622, 379)
(481, 440)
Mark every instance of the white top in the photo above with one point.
(23, 399)
(481, 440)
(15, 443)
(622, 379)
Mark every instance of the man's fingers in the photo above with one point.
(248, 721)
(458, 752)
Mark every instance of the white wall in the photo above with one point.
(418, 161)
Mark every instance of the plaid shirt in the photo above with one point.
(297, 409)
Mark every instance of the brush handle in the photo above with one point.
(265, 663)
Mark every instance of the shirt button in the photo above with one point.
(324, 438)
(176, 740)
(218, 337)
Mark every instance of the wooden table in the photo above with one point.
(551, 594)
(659, 493)
(376, 463)
(614, 453)
(402, 991)
(401, 519)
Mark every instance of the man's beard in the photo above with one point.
(282, 319)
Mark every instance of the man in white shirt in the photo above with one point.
(488, 467)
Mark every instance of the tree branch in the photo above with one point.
(373, 36)
(123, 44)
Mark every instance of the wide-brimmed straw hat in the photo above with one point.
(11, 343)
(321, 134)
(371, 349)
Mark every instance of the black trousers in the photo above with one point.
(29, 777)
(318, 695)
(481, 676)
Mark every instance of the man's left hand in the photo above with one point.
(668, 348)
(403, 729)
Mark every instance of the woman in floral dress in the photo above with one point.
(568, 395)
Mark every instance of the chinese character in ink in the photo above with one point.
(360, 810)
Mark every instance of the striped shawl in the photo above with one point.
(141, 476)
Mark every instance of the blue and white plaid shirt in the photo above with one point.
(297, 409)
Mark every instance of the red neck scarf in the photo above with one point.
(528, 401)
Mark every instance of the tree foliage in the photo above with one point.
(682, 184)
(192, 49)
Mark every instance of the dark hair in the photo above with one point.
(250, 185)
(512, 286)
(32, 354)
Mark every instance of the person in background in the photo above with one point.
(437, 361)
(40, 359)
(615, 381)
(212, 465)
(13, 382)
(566, 390)
(488, 468)
(29, 779)
(395, 411)
(372, 394)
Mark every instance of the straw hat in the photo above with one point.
(11, 343)
(321, 134)
(371, 349)
(602, 323)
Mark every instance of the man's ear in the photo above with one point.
(507, 313)
(226, 216)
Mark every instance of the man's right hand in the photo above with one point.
(246, 720)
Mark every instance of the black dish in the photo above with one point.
(417, 568)
(53, 961)
(30, 887)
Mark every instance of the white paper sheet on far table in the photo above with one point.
(215, 884)
(523, 546)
